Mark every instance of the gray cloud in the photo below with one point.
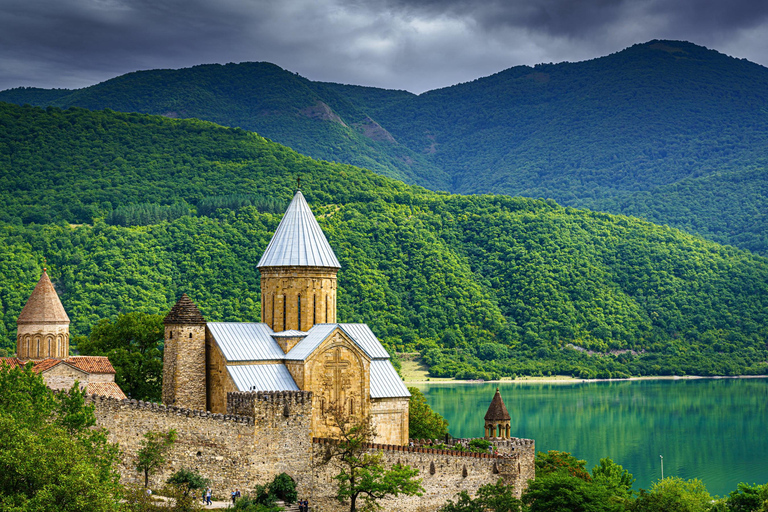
(406, 44)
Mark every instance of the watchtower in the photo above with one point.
(497, 419)
(298, 273)
(184, 383)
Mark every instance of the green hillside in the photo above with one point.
(482, 285)
(647, 131)
(260, 97)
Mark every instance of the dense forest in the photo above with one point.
(482, 286)
(666, 130)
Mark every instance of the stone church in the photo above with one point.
(42, 338)
(297, 346)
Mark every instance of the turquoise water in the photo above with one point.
(712, 429)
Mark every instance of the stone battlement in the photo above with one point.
(425, 448)
(244, 402)
(113, 403)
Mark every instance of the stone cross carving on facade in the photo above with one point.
(336, 367)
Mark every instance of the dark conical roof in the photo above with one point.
(497, 411)
(43, 305)
(298, 240)
(184, 312)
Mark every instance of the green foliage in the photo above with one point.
(561, 462)
(51, 459)
(423, 422)
(562, 492)
(674, 494)
(479, 445)
(362, 474)
(153, 452)
(187, 480)
(133, 344)
(284, 488)
(748, 498)
(497, 497)
(263, 502)
(613, 477)
(483, 286)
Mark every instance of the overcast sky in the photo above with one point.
(415, 45)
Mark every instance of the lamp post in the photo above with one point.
(662, 466)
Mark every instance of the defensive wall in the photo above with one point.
(265, 434)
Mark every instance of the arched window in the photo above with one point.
(298, 306)
(314, 309)
(190, 335)
(170, 336)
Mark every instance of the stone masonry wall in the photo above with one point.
(265, 434)
(184, 379)
(443, 473)
(282, 438)
(219, 447)
(292, 293)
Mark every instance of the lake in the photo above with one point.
(712, 429)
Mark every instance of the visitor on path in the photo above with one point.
(208, 496)
(233, 497)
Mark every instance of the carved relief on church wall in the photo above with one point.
(339, 375)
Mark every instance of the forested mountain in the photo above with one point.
(482, 285)
(666, 130)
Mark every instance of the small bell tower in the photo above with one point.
(497, 419)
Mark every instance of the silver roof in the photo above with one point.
(262, 377)
(366, 340)
(315, 336)
(291, 333)
(385, 382)
(245, 341)
(298, 240)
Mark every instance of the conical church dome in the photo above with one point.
(43, 306)
(298, 240)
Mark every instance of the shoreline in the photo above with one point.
(564, 379)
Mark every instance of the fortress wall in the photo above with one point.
(282, 440)
(219, 447)
(444, 473)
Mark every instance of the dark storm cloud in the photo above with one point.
(407, 44)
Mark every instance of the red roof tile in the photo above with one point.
(91, 364)
(110, 389)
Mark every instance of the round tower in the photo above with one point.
(497, 419)
(42, 329)
(298, 273)
(184, 383)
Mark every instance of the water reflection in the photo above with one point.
(712, 429)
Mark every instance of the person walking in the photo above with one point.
(233, 497)
(208, 496)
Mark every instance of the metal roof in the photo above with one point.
(315, 336)
(366, 340)
(262, 377)
(298, 240)
(291, 333)
(245, 341)
(385, 382)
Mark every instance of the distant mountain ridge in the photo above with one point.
(646, 131)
